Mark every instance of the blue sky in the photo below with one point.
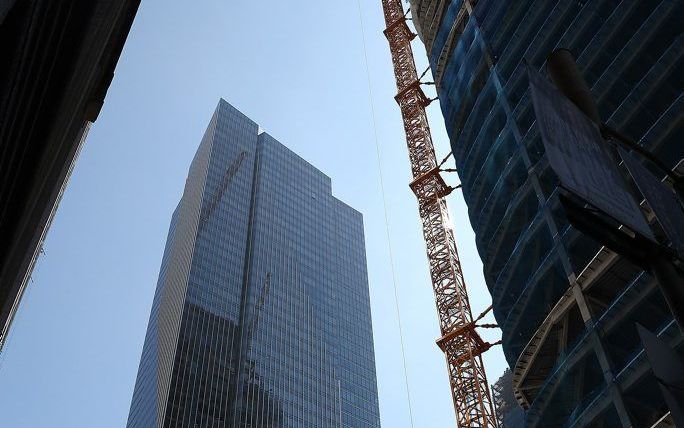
(297, 69)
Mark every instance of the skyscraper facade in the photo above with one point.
(58, 59)
(261, 317)
(567, 307)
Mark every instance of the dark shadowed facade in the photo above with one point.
(567, 307)
(261, 316)
(57, 59)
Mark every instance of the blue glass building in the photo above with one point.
(261, 316)
(567, 306)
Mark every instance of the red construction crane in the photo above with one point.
(460, 342)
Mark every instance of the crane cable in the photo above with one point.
(384, 206)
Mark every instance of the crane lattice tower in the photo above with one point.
(460, 341)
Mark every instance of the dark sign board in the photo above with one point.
(575, 150)
(660, 198)
(668, 369)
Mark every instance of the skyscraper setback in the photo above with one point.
(261, 315)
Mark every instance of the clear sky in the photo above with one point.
(297, 69)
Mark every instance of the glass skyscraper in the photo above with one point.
(567, 307)
(261, 317)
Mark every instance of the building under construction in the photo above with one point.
(508, 412)
(567, 306)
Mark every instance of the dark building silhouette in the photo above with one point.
(57, 58)
(567, 306)
(261, 316)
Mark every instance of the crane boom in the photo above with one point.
(460, 342)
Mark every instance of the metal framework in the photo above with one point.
(503, 397)
(460, 342)
(499, 403)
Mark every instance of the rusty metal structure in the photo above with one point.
(460, 341)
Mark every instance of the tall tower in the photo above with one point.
(460, 341)
(261, 316)
(567, 307)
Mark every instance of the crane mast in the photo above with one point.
(460, 342)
